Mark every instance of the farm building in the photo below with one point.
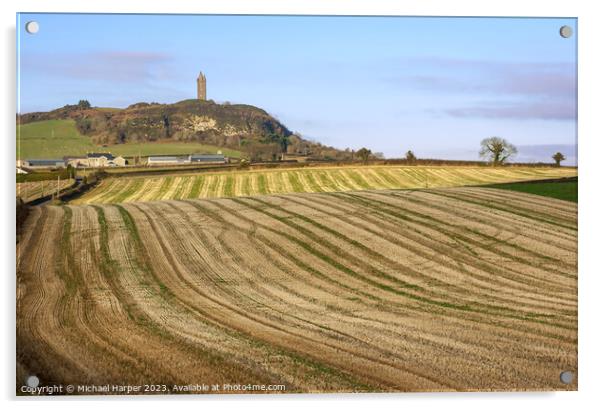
(198, 158)
(119, 161)
(99, 160)
(44, 163)
(102, 160)
(76, 161)
(184, 160)
(167, 160)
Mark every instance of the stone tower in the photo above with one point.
(201, 87)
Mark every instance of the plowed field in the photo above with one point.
(427, 290)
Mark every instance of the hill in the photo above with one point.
(234, 126)
(56, 138)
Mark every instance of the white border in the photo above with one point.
(590, 150)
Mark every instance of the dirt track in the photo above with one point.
(432, 290)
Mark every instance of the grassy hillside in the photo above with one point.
(51, 139)
(564, 190)
(319, 179)
(58, 138)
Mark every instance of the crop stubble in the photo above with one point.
(320, 179)
(441, 289)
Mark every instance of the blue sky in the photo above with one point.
(434, 85)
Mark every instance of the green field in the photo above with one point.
(564, 190)
(51, 139)
(58, 138)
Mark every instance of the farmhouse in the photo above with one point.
(99, 160)
(102, 160)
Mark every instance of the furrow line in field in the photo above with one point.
(411, 291)
(496, 218)
(384, 210)
(242, 267)
(518, 212)
(393, 264)
(381, 329)
(245, 322)
(561, 210)
(40, 336)
(311, 250)
(161, 340)
(401, 211)
(482, 276)
(513, 236)
(97, 193)
(197, 185)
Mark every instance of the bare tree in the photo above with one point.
(497, 150)
(558, 157)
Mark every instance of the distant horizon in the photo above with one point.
(536, 153)
(436, 86)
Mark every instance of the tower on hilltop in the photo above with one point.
(201, 87)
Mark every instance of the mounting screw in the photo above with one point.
(32, 27)
(566, 31)
(566, 377)
(32, 381)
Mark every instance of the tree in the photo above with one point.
(364, 154)
(260, 151)
(410, 157)
(84, 125)
(558, 157)
(497, 150)
(281, 140)
(83, 104)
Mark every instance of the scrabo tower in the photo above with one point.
(201, 87)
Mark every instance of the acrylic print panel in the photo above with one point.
(283, 204)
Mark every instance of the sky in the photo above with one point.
(436, 86)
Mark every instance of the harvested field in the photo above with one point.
(321, 179)
(29, 191)
(426, 290)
